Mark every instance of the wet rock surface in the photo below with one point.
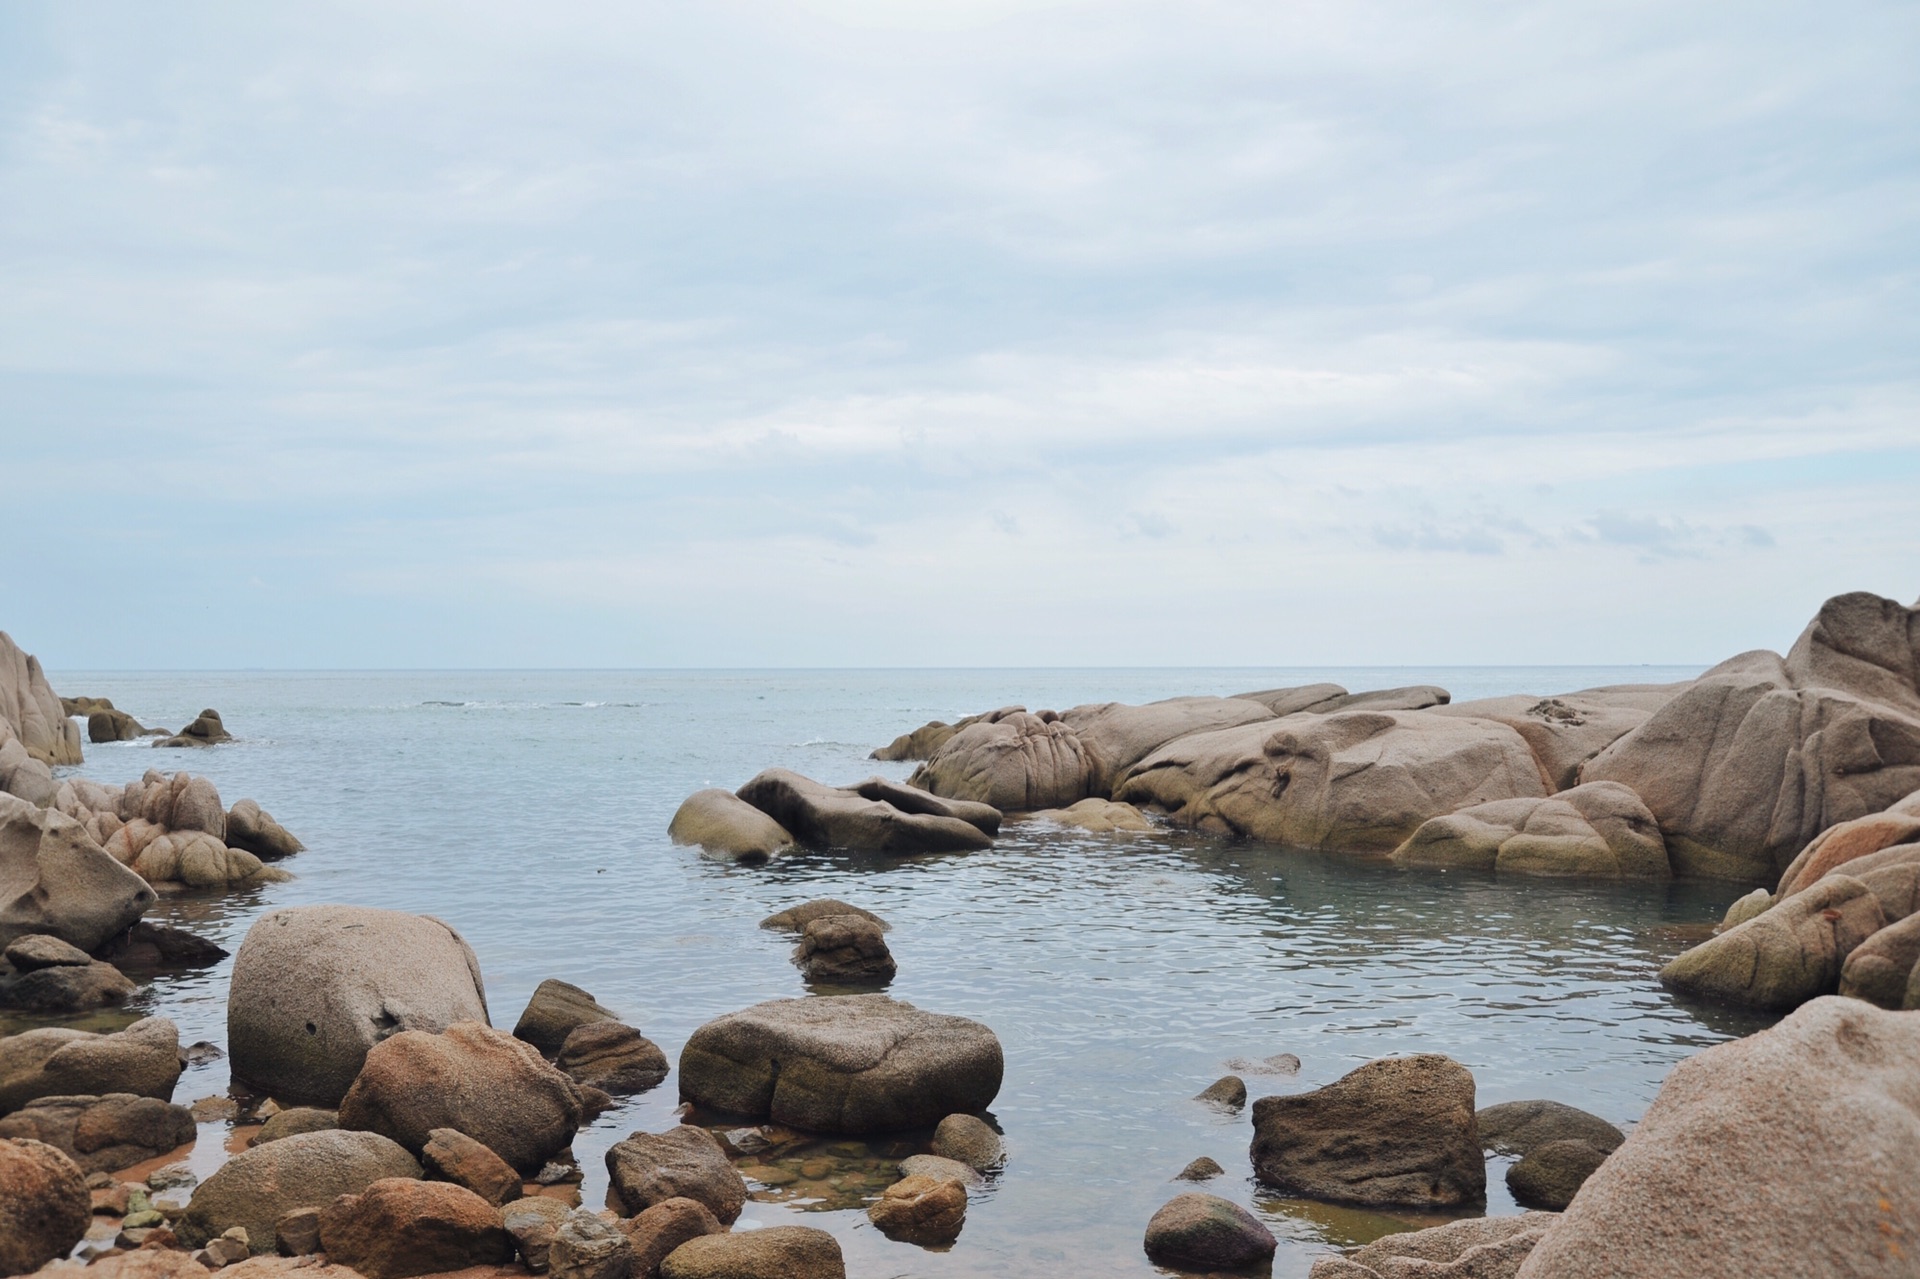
(1205, 1232)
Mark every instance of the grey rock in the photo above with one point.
(684, 1162)
(612, 1057)
(1516, 1127)
(253, 828)
(585, 1247)
(37, 950)
(1202, 1169)
(794, 919)
(259, 1186)
(556, 1010)
(844, 950)
(940, 1168)
(143, 1059)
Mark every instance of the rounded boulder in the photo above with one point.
(44, 1205)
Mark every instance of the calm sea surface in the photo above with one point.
(529, 809)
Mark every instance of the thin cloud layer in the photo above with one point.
(1021, 333)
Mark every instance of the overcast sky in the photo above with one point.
(854, 332)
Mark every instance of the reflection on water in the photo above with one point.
(1122, 976)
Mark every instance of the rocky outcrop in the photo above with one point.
(1701, 1188)
(103, 1134)
(30, 712)
(1762, 753)
(775, 1252)
(1098, 817)
(1399, 1131)
(1600, 829)
(44, 1205)
(1014, 761)
(399, 1227)
(106, 724)
(1205, 1232)
(723, 824)
(833, 817)
(1114, 736)
(1880, 970)
(1566, 730)
(1781, 959)
(555, 1011)
(844, 950)
(54, 879)
(1472, 1248)
(842, 1064)
(315, 987)
(685, 1162)
(1358, 781)
(54, 1061)
(484, 1082)
(258, 1186)
(206, 730)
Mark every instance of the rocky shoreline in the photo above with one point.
(399, 1133)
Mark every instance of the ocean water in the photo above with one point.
(1122, 975)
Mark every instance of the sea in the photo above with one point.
(1122, 974)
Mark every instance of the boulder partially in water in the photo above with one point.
(1516, 1127)
(56, 880)
(821, 816)
(1794, 1151)
(612, 1057)
(722, 823)
(1115, 736)
(1099, 817)
(844, 950)
(1550, 1175)
(315, 987)
(555, 1011)
(684, 1162)
(1016, 762)
(253, 828)
(55, 1061)
(1600, 829)
(207, 729)
(1198, 1231)
(103, 1134)
(1399, 1131)
(922, 1210)
(1786, 956)
(842, 1064)
(794, 919)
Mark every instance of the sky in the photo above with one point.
(841, 332)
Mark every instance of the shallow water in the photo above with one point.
(529, 809)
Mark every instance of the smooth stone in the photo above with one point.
(684, 1162)
(38, 950)
(1880, 968)
(1205, 1232)
(252, 828)
(1471, 1248)
(921, 1210)
(1550, 1175)
(658, 1230)
(1098, 816)
(940, 1168)
(970, 1140)
(56, 880)
(612, 1057)
(1204, 1168)
(723, 824)
(825, 817)
(143, 1059)
(260, 1185)
(1013, 761)
(1516, 1127)
(794, 919)
(1228, 1093)
(295, 1119)
(1788, 955)
(65, 989)
(773, 1252)
(1600, 830)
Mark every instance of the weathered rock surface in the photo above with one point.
(920, 743)
(65, 988)
(1600, 829)
(534, 1223)
(453, 1156)
(315, 987)
(722, 823)
(612, 1057)
(940, 1168)
(969, 1139)
(775, 1252)
(103, 1134)
(1396, 1131)
(1358, 781)
(1114, 736)
(1698, 1191)
(56, 880)
(1472, 1248)
(794, 919)
(258, 1186)
(586, 1247)
(1566, 730)
(484, 1082)
(44, 1205)
(252, 828)
(660, 1229)
(1550, 1175)
(1880, 969)
(1844, 844)
(143, 1059)
(684, 1162)
(844, 950)
(1761, 754)
(37, 950)
(1205, 1232)
(556, 1010)
(398, 1227)
(1786, 956)
(1516, 1127)
(30, 712)
(295, 1119)
(912, 799)
(1098, 817)
(205, 730)
(842, 1064)
(921, 1210)
(1229, 1092)
(1014, 761)
(110, 725)
(822, 816)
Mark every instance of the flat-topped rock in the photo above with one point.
(794, 919)
(44, 1205)
(685, 1162)
(842, 1064)
(37, 950)
(822, 816)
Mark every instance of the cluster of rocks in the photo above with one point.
(108, 723)
(839, 944)
(778, 810)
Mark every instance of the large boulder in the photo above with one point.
(774, 1252)
(258, 1186)
(103, 1134)
(722, 823)
(1471, 1248)
(54, 1061)
(1357, 781)
(1399, 1131)
(315, 987)
(44, 1205)
(1600, 829)
(684, 1162)
(834, 817)
(1786, 956)
(184, 802)
(1115, 736)
(1794, 1151)
(30, 710)
(399, 1227)
(110, 725)
(556, 1010)
(1880, 968)
(55, 879)
(1567, 730)
(64, 988)
(1196, 1231)
(253, 828)
(1757, 757)
(1015, 761)
(842, 1064)
(484, 1082)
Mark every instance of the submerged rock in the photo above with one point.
(722, 823)
(1786, 956)
(1099, 817)
(1205, 1232)
(1228, 1093)
(1551, 1174)
(970, 1140)
(830, 817)
(842, 1064)
(1205, 1168)
(1516, 1127)
(315, 987)
(1794, 1151)
(1399, 1131)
